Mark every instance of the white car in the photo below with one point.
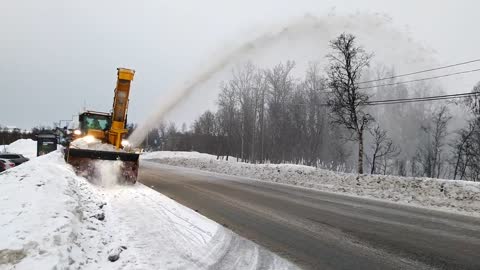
(6, 164)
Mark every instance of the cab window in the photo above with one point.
(96, 122)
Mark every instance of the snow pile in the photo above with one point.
(25, 147)
(460, 196)
(46, 216)
(92, 143)
(53, 219)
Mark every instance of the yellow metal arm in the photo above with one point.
(120, 106)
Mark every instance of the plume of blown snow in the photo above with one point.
(108, 172)
(304, 39)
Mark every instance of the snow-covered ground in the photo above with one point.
(162, 234)
(26, 147)
(45, 217)
(52, 219)
(457, 196)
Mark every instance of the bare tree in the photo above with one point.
(382, 148)
(473, 102)
(280, 86)
(462, 145)
(466, 146)
(347, 61)
(171, 135)
(227, 118)
(316, 114)
(205, 124)
(261, 116)
(242, 84)
(260, 87)
(430, 153)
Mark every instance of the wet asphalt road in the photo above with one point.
(318, 230)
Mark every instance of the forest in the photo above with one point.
(345, 115)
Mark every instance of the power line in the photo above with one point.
(329, 89)
(420, 99)
(410, 100)
(422, 79)
(421, 71)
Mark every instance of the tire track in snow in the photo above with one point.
(159, 231)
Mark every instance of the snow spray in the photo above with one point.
(108, 172)
(307, 37)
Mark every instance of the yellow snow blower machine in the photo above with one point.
(108, 130)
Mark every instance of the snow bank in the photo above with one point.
(53, 219)
(45, 216)
(25, 147)
(459, 196)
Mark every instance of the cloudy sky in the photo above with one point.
(58, 56)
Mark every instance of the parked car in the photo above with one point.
(6, 164)
(15, 158)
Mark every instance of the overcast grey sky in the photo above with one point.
(56, 55)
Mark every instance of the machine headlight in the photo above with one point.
(77, 132)
(125, 143)
(89, 139)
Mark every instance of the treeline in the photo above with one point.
(263, 115)
(324, 119)
(8, 136)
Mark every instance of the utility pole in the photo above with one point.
(146, 143)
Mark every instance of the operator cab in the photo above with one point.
(94, 120)
(94, 123)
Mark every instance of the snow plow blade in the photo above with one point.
(83, 161)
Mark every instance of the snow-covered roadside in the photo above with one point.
(46, 217)
(162, 234)
(52, 219)
(25, 147)
(457, 196)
